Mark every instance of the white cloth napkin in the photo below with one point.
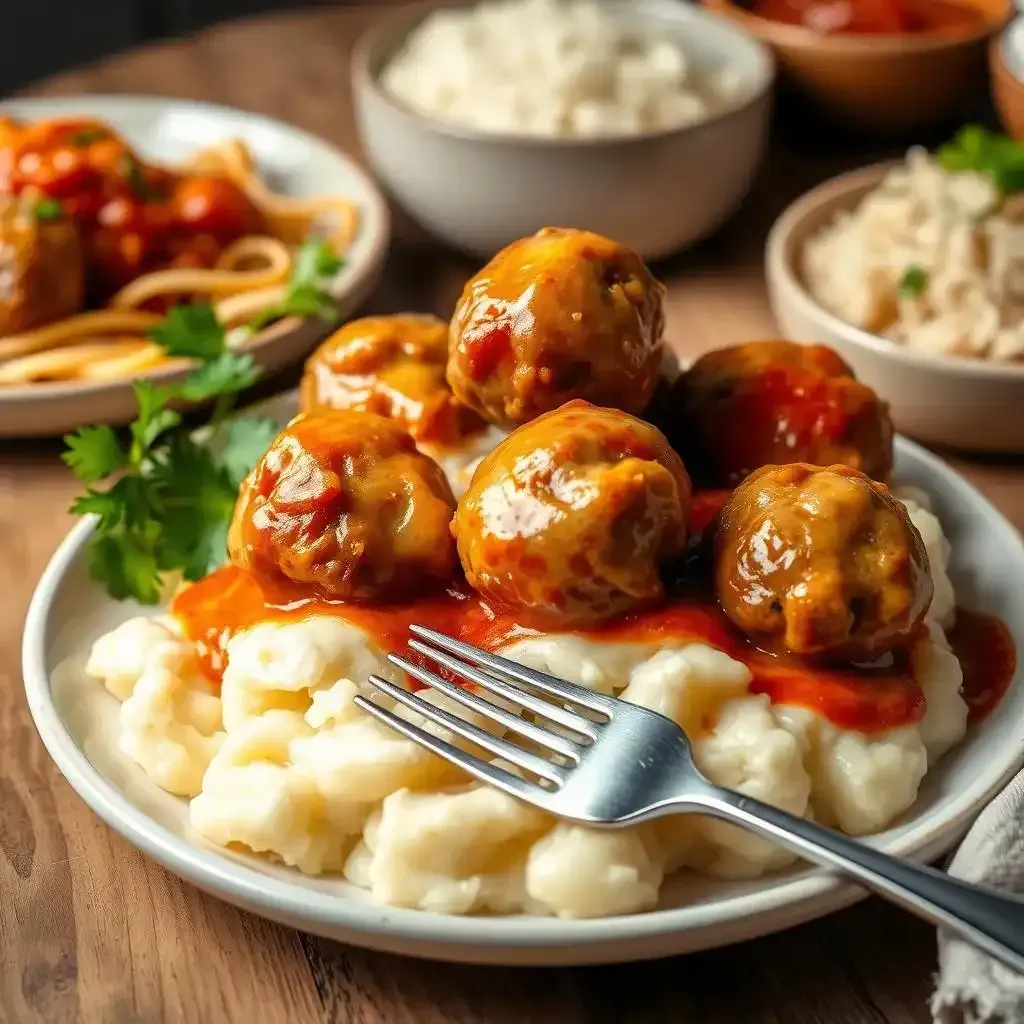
(972, 988)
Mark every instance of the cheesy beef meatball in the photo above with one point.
(343, 504)
(569, 520)
(41, 265)
(393, 366)
(562, 314)
(775, 402)
(820, 562)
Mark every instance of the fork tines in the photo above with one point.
(496, 675)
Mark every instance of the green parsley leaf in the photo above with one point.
(87, 137)
(198, 498)
(913, 282)
(93, 453)
(977, 149)
(306, 295)
(170, 507)
(99, 503)
(228, 373)
(141, 187)
(124, 562)
(47, 210)
(1009, 178)
(244, 441)
(153, 419)
(314, 261)
(191, 331)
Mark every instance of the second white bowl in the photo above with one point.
(948, 400)
(656, 193)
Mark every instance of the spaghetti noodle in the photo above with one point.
(150, 237)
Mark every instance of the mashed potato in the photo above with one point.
(459, 464)
(283, 762)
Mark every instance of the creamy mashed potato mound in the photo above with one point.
(284, 764)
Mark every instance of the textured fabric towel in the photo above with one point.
(972, 988)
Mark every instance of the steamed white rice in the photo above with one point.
(554, 68)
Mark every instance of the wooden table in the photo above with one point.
(92, 931)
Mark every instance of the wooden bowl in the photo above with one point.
(1006, 63)
(881, 84)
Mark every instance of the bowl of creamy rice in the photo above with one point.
(644, 121)
(914, 272)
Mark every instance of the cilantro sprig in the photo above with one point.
(171, 496)
(913, 281)
(48, 209)
(315, 263)
(163, 496)
(975, 148)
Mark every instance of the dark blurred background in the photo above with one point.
(41, 37)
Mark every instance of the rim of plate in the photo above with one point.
(354, 278)
(812, 893)
(840, 194)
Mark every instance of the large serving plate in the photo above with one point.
(77, 720)
(292, 162)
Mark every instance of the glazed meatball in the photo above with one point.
(393, 366)
(344, 505)
(41, 265)
(821, 562)
(570, 518)
(774, 402)
(562, 314)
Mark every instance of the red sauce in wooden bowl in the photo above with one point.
(872, 17)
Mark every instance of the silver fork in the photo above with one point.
(632, 764)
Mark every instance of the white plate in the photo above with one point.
(291, 161)
(77, 720)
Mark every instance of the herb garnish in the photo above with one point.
(307, 295)
(170, 504)
(141, 187)
(87, 137)
(913, 282)
(48, 209)
(170, 494)
(977, 149)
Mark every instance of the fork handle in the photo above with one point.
(994, 922)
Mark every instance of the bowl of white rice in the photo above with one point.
(914, 272)
(643, 120)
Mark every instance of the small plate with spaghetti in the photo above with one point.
(120, 216)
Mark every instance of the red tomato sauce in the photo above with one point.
(872, 17)
(134, 217)
(988, 657)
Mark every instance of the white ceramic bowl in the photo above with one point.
(655, 193)
(292, 161)
(77, 720)
(948, 400)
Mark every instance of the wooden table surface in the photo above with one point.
(92, 931)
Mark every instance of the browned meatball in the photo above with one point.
(820, 562)
(562, 314)
(41, 265)
(343, 504)
(393, 366)
(773, 402)
(570, 518)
